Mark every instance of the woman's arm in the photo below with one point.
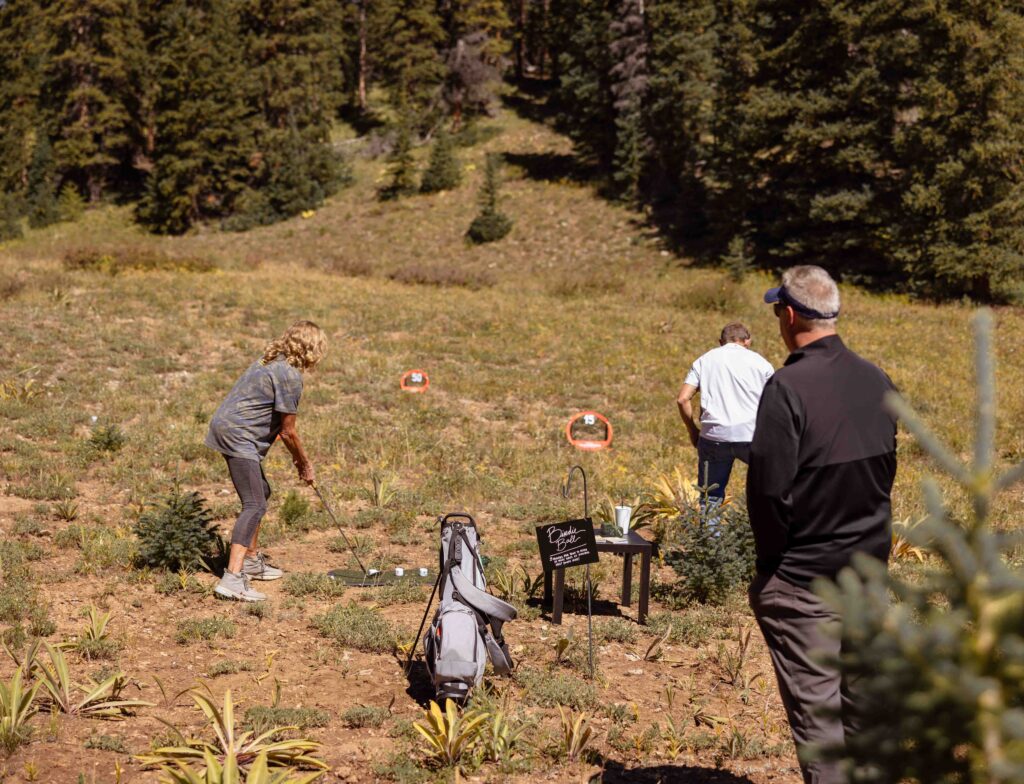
(291, 439)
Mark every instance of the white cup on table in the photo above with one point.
(623, 514)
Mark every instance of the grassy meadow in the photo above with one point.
(581, 307)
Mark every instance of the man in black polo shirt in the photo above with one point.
(822, 465)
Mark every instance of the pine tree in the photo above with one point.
(443, 172)
(407, 39)
(490, 225)
(939, 674)
(882, 140)
(41, 197)
(204, 155)
(629, 83)
(23, 50)
(402, 165)
(685, 67)
(93, 88)
(293, 47)
(583, 98)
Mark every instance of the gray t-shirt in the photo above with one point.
(249, 419)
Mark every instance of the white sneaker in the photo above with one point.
(255, 567)
(237, 586)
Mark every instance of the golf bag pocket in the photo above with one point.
(454, 652)
(466, 629)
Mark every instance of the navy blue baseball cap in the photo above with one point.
(782, 295)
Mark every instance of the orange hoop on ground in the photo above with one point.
(594, 418)
(417, 377)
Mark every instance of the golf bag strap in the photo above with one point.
(498, 654)
(481, 600)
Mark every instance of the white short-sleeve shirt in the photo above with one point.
(730, 379)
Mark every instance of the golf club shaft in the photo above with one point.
(330, 512)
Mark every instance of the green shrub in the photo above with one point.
(712, 551)
(260, 719)
(360, 628)
(313, 584)
(548, 689)
(178, 533)
(399, 593)
(615, 630)
(195, 629)
(107, 743)
(229, 667)
(107, 438)
(363, 716)
(294, 509)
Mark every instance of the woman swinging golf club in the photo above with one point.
(262, 405)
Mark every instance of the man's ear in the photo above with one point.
(747, 342)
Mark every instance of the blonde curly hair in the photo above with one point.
(303, 345)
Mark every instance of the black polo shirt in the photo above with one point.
(822, 464)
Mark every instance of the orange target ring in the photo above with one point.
(589, 419)
(415, 381)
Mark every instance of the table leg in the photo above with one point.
(645, 586)
(627, 579)
(556, 605)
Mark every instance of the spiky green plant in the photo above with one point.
(576, 733)
(450, 734)
(97, 700)
(940, 671)
(231, 749)
(17, 705)
(230, 772)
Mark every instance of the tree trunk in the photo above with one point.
(521, 40)
(362, 56)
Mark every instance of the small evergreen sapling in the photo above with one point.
(940, 672)
(178, 533)
(42, 186)
(443, 172)
(711, 547)
(402, 170)
(491, 224)
(70, 203)
(10, 217)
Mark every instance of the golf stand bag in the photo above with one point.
(466, 629)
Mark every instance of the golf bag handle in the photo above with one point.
(458, 516)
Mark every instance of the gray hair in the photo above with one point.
(813, 287)
(734, 333)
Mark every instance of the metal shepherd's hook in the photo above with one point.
(566, 488)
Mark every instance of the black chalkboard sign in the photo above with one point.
(570, 543)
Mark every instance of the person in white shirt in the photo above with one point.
(730, 379)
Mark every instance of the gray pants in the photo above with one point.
(253, 490)
(816, 697)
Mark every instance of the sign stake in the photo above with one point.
(586, 514)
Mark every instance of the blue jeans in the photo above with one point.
(715, 459)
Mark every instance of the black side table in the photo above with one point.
(555, 594)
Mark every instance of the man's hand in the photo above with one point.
(694, 437)
(306, 472)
